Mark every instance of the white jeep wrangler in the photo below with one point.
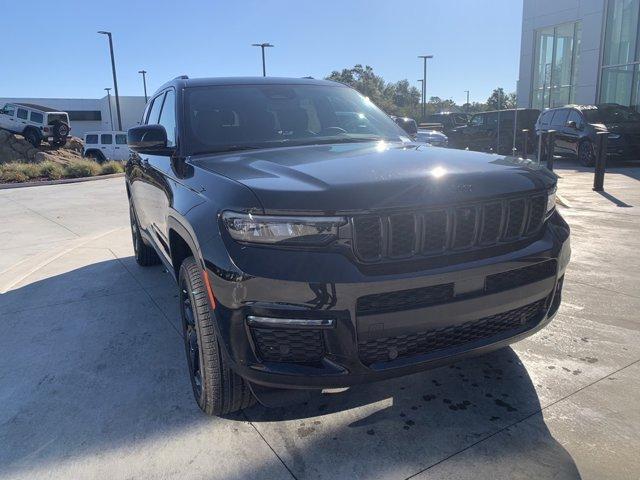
(36, 123)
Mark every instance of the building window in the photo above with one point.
(555, 72)
(620, 78)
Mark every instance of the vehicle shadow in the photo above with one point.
(101, 370)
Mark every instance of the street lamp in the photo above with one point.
(424, 84)
(467, 104)
(109, 100)
(144, 83)
(262, 46)
(421, 92)
(115, 80)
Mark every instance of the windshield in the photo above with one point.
(52, 117)
(237, 117)
(611, 114)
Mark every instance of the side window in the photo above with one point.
(477, 120)
(106, 139)
(93, 139)
(154, 112)
(575, 116)
(545, 120)
(36, 117)
(560, 118)
(168, 117)
(9, 110)
(22, 113)
(492, 119)
(121, 139)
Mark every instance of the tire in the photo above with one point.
(217, 389)
(145, 255)
(96, 156)
(60, 130)
(32, 136)
(586, 154)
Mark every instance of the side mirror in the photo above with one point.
(149, 139)
(572, 124)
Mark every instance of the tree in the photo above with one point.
(500, 101)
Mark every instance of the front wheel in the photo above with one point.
(32, 136)
(586, 154)
(217, 389)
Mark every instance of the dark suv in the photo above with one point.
(447, 120)
(577, 126)
(315, 246)
(493, 131)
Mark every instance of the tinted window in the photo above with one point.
(611, 114)
(168, 118)
(106, 139)
(574, 116)
(36, 117)
(460, 119)
(91, 139)
(560, 117)
(545, 120)
(22, 114)
(219, 118)
(121, 139)
(154, 112)
(477, 120)
(491, 119)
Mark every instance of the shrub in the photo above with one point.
(10, 173)
(50, 170)
(81, 168)
(111, 167)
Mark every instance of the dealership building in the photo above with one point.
(579, 51)
(87, 114)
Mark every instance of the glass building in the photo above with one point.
(580, 51)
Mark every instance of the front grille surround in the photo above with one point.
(450, 229)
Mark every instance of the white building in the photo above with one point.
(87, 114)
(579, 51)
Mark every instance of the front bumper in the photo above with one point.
(382, 326)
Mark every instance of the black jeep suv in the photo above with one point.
(315, 246)
(577, 126)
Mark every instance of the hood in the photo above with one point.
(370, 176)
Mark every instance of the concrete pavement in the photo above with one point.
(93, 382)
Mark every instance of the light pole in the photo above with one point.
(144, 83)
(424, 85)
(115, 80)
(262, 46)
(421, 91)
(109, 100)
(467, 104)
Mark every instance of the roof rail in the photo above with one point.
(182, 77)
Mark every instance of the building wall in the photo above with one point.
(131, 109)
(546, 13)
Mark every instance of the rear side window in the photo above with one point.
(560, 118)
(106, 139)
(545, 119)
(22, 113)
(93, 139)
(154, 112)
(492, 119)
(36, 117)
(575, 116)
(121, 139)
(477, 120)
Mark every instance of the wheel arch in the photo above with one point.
(182, 244)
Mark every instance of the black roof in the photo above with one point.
(35, 107)
(184, 81)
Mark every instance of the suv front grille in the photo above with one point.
(402, 346)
(450, 229)
(405, 299)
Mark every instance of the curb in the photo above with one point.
(6, 186)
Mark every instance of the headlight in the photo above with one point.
(246, 227)
(551, 200)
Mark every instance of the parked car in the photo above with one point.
(106, 145)
(432, 137)
(448, 120)
(493, 131)
(36, 123)
(409, 125)
(308, 255)
(577, 126)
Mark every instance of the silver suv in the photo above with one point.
(36, 123)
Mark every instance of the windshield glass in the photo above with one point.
(237, 117)
(611, 114)
(52, 117)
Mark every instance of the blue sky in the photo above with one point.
(57, 53)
